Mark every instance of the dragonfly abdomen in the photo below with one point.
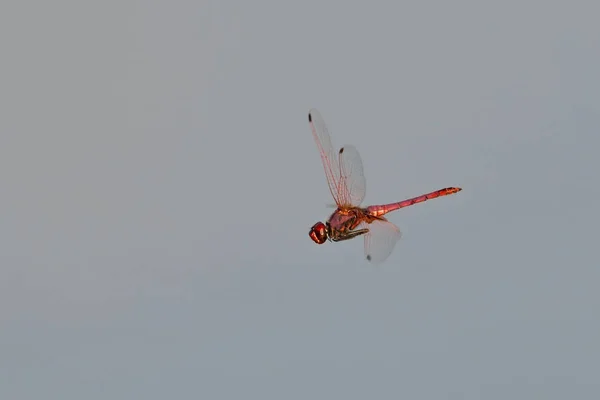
(378, 211)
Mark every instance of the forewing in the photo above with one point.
(328, 155)
(353, 185)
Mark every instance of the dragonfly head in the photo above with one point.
(318, 233)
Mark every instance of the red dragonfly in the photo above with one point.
(348, 187)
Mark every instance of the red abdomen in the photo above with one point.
(378, 211)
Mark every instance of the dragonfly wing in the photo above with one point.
(380, 240)
(328, 155)
(353, 184)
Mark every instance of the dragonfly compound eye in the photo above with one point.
(318, 233)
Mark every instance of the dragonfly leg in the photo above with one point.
(351, 234)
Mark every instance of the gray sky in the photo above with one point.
(159, 179)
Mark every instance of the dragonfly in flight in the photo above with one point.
(347, 183)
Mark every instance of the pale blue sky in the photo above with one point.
(159, 180)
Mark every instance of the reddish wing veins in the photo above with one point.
(353, 185)
(328, 155)
(344, 172)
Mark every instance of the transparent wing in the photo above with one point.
(328, 155)
(353, 185)
(380, 240)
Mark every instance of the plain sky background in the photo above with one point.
(158, 180)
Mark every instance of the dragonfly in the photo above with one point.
(347, 183)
